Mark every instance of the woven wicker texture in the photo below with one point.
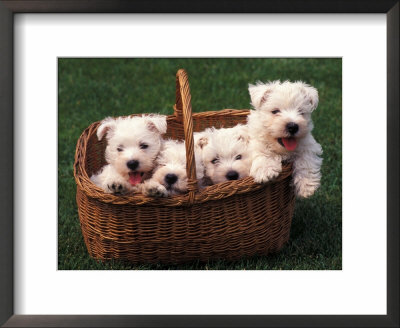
(228, 220)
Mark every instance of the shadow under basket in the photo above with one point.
(229, 220)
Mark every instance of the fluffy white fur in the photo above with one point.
(276, 105)
(225, 153)
(171, 165)
(137, 140)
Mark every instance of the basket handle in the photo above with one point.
(183, 114)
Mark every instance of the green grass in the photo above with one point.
(91, 89)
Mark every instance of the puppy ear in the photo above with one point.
(157, 123)
(244, 138)
(107, 125)
(203, 141)
(260, 92)
(310, 94)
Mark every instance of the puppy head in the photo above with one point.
(225, 153)
(171, 167)
(133, 143)
(285, 112)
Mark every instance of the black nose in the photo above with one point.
(292, 128)
(232, 175)
(133, 164)
(170, 178)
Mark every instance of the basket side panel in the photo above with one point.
(95, 159)
(242, 225)
(174, 129)
(202, 121)
(205, 120)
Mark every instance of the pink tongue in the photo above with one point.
(135, 178)
(290, 143)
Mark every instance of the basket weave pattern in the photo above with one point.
(229, 220)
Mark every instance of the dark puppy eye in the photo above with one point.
(238, 157)
(276, 111)
(143, 146)
(119, 149)
(214, 161)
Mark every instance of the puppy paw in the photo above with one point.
(154, 189)
(117, 188)
(265, 174)
(305, 187)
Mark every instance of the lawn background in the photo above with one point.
(92, 89)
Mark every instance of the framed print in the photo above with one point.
(81, 76)
(109, 57)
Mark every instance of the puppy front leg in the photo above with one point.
(306, 174)
(111, 181)
(265, 168)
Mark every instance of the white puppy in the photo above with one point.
(280, 130)
(225, 153)
(133, 144)
(169, 177)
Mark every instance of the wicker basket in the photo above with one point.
(230, 220)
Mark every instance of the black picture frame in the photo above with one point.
(7, 11)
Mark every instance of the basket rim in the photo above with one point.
(213, 192)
